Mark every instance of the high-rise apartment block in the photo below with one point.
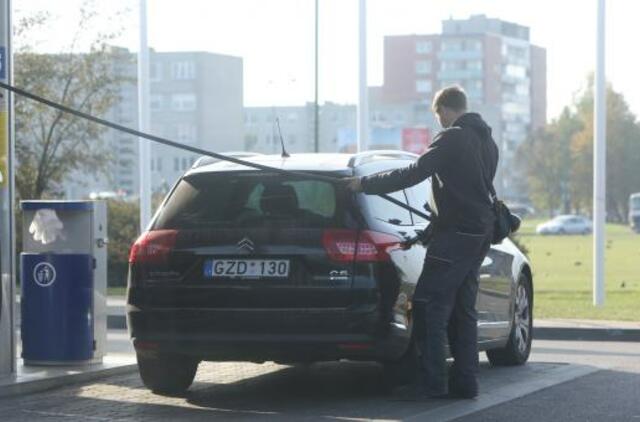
(196, 99)
(503, 74)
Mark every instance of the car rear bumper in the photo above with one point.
(296, 335)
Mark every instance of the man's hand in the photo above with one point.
(354, 184)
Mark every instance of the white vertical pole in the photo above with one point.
(7, 198)
(316, 105)
(363, 99)
(144, 146)
(599, 160)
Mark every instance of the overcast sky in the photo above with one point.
(275, 38)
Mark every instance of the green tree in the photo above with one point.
(51, 144)
(558, 159)
(122, 229)
(546, 157)
(623, 154)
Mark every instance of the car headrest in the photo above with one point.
(279, 200)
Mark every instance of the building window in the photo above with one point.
(451, 45)
(474, 65)
(183, 102)
(451, 65)
(159, 163)
(423, 85)
(515, 71)
(423, 47)
(186, 133)
(423, 67)
(185, 163)
(183, 70)
(473, 45)
(176, 164)
(155, 72)
(155, 102)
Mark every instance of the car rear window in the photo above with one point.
(383, 210)
(251, 200)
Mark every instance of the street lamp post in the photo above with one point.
(363, 100)
(7, 196)
(316, 106)
(599, 159)
(144, 146)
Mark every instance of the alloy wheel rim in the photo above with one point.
(522, 319)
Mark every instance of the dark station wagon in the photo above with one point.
(247, 265)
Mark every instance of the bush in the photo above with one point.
(123, 218)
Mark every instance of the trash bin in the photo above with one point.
(63, 274)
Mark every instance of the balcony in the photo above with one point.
(460, 54)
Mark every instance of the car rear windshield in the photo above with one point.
(230, 200)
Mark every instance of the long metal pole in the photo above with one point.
(316, 106)
(144, 146)
(7, 198)
(363, 99)
(599, 160)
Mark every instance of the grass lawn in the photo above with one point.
(117, 291)
(562, 274)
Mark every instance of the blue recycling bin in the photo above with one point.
(57, 308)
(64, 282)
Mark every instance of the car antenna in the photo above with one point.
(284, 153)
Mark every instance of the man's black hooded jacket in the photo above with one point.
(462, 160)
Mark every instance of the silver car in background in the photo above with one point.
(565, 224)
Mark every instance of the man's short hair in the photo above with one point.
(452, 97)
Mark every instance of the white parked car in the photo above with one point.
(565, 224)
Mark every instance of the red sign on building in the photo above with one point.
(416, 140)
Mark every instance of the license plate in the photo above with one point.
(246, 268)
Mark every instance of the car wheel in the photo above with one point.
(518, 348)
(167, 373)
(561, 231)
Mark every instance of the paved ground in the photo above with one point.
(610, 394)
(602, 383)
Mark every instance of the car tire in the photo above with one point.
(518, 347)
(167, 373)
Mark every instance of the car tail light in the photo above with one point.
(153, 247)
(362, 246)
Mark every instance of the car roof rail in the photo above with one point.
(382, 154)
(205, 159)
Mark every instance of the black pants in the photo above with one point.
(444, 310)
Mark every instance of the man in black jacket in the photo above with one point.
(461, 162)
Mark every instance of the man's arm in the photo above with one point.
(428, 164)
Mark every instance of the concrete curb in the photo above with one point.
(36, 385)
(586, 334)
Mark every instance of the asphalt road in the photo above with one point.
(564, 381)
